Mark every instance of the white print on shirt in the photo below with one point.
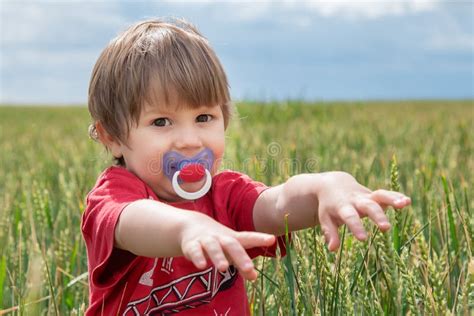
(220, 314)
(166, 265)
(186, 292)
(145, 279)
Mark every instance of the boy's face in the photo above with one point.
(187, 131)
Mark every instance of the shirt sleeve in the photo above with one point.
(236, 193)
(114, 190)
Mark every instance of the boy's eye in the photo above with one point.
(162, 121)
(203, 118)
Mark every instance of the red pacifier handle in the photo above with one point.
(192, 172)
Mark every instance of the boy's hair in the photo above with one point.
(165, 63)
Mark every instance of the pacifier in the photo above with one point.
(179, 169)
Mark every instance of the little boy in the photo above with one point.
(165, 231)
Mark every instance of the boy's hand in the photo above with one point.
(342, 200)
(202, 237)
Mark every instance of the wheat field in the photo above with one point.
(423, 266)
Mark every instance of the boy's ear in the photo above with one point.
(108, 140)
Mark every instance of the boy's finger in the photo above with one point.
(393, 198)
(374, 212)
(239, 256)
(255, 239)
(330, 232)
(193, 251)
(350, 217)
(215, 253)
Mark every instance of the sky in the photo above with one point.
(271, 50)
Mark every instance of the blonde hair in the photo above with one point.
(164, 62)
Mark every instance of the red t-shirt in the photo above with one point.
(123, 283)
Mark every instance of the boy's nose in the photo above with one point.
(187, 140)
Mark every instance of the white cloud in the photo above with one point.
(353, 9)
(371, 9)
(61, 59)
(449, 35)
(451, 42)
(32, 21)
(51, 46)
(250, 12)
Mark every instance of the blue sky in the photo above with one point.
(271, 50)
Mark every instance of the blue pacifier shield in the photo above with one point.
(173, 162)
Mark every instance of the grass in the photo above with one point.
(424, 265)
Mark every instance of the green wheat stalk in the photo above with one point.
(289, 272)
(395, 186)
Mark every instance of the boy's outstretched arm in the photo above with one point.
(329, 199)
(154, 229)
